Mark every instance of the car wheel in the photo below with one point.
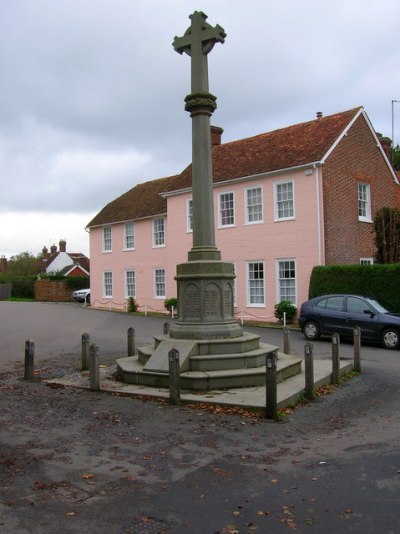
(311, 330)
(390, 338)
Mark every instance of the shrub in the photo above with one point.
(284, 306)
(23, 287)
(57, 275)
(132, 305)
(387, 235)
(168, 303)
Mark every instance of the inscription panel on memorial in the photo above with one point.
(212, 300)
(191, 302)
(228, 301)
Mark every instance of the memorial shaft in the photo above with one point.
(205, 283)
(197, 42)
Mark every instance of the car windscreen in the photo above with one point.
(378, 306)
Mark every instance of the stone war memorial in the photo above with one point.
(214, 351)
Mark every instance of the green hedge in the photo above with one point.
(78, 282)
(379, 281)
(23, 286)
(73, 282)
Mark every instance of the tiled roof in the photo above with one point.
(80, 259)
(70, 268)
(143, 200)
(293, 146)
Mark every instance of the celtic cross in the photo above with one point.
(198, 40)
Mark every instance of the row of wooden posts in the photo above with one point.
(91, 362)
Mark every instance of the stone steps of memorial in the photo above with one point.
(218, 362)
(244, 343)
(221, 362)
(131, 371)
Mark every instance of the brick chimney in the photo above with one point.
(63, 245)
(3, 264)
(53, 249)
(45, 253)
(216, 134)
(319, 115)
(386, 143)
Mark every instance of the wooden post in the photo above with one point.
(85, 351)
(166, 329)
(174, 378)
(286, 340)
(309, 370)
(131, 341)
(94, 368)
(271, 409)
(357, 349)
(29, 360)
(335, 359)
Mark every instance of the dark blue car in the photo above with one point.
(340, 314)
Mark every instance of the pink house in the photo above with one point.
(284, 202)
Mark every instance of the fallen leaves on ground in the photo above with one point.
(230, 529)
(225, 410)
(288, 518)
(325, 390)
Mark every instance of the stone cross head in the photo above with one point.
(198, 40)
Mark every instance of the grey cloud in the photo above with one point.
(85, 79)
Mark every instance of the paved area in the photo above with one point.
(75, 461)
(289, 391)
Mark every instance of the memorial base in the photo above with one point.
(214, 352)
(205, 301)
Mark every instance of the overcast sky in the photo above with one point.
(92, 93)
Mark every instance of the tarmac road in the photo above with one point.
(56, 329)
(73, 461)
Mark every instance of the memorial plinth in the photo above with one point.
(205, 296)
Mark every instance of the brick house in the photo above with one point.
(284, 202)
(61, 261)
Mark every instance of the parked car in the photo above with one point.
(340, 314)
(82, 295)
